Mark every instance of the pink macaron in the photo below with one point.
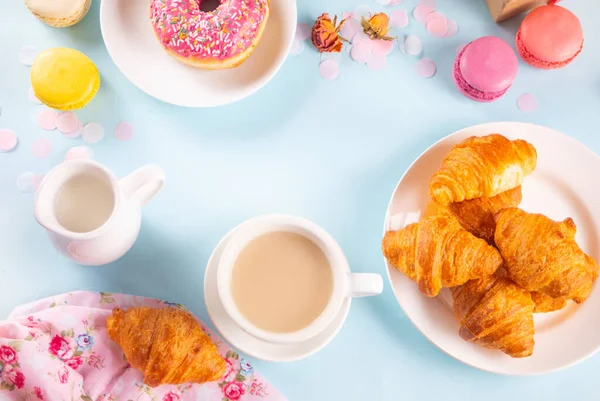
(485, 69)
(550, 37)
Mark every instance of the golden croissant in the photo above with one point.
(482, 166)
(437, 252)
(496, 313)
(545, 303)
(477, 215)
(167, 345)
(541, 255)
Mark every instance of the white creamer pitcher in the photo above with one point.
(90, 216)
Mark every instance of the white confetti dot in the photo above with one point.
(33, 98)
(413, 45)
(79, 153)
(27, 54)
(527, 103)
(329, 69)
(8, 140)
(331, 56)
(92, 133)
(426, 68)
(362, 11)
(25, 182)
(297, 47)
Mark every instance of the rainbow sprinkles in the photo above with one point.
(222, 38)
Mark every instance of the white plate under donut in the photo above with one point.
(562, 185)
(134, 48)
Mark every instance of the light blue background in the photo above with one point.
(329, 151)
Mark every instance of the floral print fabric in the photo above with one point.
(58, 349)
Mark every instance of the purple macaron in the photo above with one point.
(485, 69)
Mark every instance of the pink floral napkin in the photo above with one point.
(58, 349)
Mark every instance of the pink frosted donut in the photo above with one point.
(214, 40)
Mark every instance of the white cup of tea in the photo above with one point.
(283, 279)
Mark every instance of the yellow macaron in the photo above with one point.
(64, 79)
(59, 13)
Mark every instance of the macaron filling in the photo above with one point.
(468, 88)
(530, 58)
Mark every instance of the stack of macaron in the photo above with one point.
(550, 37)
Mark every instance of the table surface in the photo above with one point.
(331, 151)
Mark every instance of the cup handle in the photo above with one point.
(143, 183)
(365, 284)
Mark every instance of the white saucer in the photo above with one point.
(133, 47)
(561, 186)
(248, 344)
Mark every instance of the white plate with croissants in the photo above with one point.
(491, 242)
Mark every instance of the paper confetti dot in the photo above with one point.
(377, 62)
(361, 11)
(302, 31)
(434, 15)
(331, 56)
(123, 131)
(361, 52)
(452, 28)
(329, 69)
(8, 140)
(382, 47)
(41, 148)
(79, 153)
(413, 45)
(347, 15)
(361, 37)
(437, 27)
(420, 13)
(33, 98)
(67, 122)
(92, 133)
(461, 47)
(383, 2)
(426, 68)
(76, 133)
(527, 103)
(399, 18)
(25, 182)
(47, 119)
(297, 47)
(430, 3)
(36, 180)
(27, 54)
(350, 28)
(395, 2)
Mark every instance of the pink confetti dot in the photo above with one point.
(382, 47)
(434, 15)
(79, 153)
(413, 45)
(329, 69)
(67, 122)
(452, 28)
(347, 15)
(361, 52)
(527, 103)
(41, 148)
(92, 133)
(302, 31)
(430, 3)
(8, 140)
(377, 62)
(361, 11)
(395, 2)
(399, 18)
(426, 68)
(350, 28)
(76, 133)
(36, 180)
(123, 131)
(47, 119)
(420, 12)
(437, 27)
(33, 98)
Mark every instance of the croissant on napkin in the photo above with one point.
(541, 255)
(482, 167)
(437, 252)
(496, 313)
(167, 345)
